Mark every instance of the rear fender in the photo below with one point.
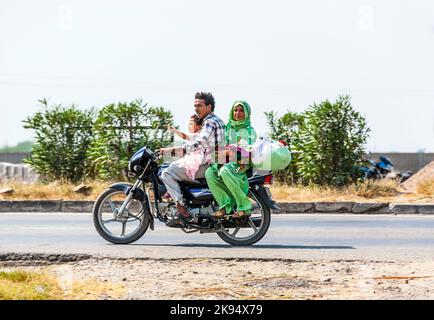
(256, 179)
(262, 193)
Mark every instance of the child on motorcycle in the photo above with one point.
(193, 160)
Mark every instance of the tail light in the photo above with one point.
(283, 142)
(269, 179)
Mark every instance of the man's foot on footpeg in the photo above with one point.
(166, 197)
(183, 213)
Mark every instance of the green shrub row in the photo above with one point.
(73, 144)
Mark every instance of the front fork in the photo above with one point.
(122, 213)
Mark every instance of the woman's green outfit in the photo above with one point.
(228, 183)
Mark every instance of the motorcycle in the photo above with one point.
(123, 212)
(384, 169)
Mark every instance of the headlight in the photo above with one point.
(138, 169)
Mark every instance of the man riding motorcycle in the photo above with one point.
(210, 140)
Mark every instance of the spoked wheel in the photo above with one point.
(119, 229)
(250, 229)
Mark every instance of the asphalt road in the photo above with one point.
(297, 236)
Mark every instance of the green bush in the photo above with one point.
(285, 128)
(62, 137)
(120, 130)
(326, 141)
(331, 143)
(72, 145)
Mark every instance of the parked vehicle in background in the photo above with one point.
(384, 169)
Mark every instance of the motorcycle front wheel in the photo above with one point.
(250, 229)
(119, 230)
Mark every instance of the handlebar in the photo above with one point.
(157, 155)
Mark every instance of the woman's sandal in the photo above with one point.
(219, 214)
(239, 214)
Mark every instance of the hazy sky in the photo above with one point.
(277, 55)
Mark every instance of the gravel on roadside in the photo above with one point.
(246, 278)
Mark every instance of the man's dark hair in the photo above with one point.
(207, 97)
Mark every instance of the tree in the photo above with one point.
(120, 130)
(331, 143)
(285, 128)
(62, 137)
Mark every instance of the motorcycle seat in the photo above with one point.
(202, 181)
(198, 183)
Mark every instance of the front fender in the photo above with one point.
(126, 187)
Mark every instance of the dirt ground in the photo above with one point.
(245, 279)
(424, 174)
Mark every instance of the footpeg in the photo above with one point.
(175, 223)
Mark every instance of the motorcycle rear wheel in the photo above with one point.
(261, 213)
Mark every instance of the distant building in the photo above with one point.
(17, 172)
(14, 157)
(406, 161)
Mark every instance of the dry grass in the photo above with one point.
(26, 285)
(380, 191)
(52, 191)
(377, 191)
(426, 187)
